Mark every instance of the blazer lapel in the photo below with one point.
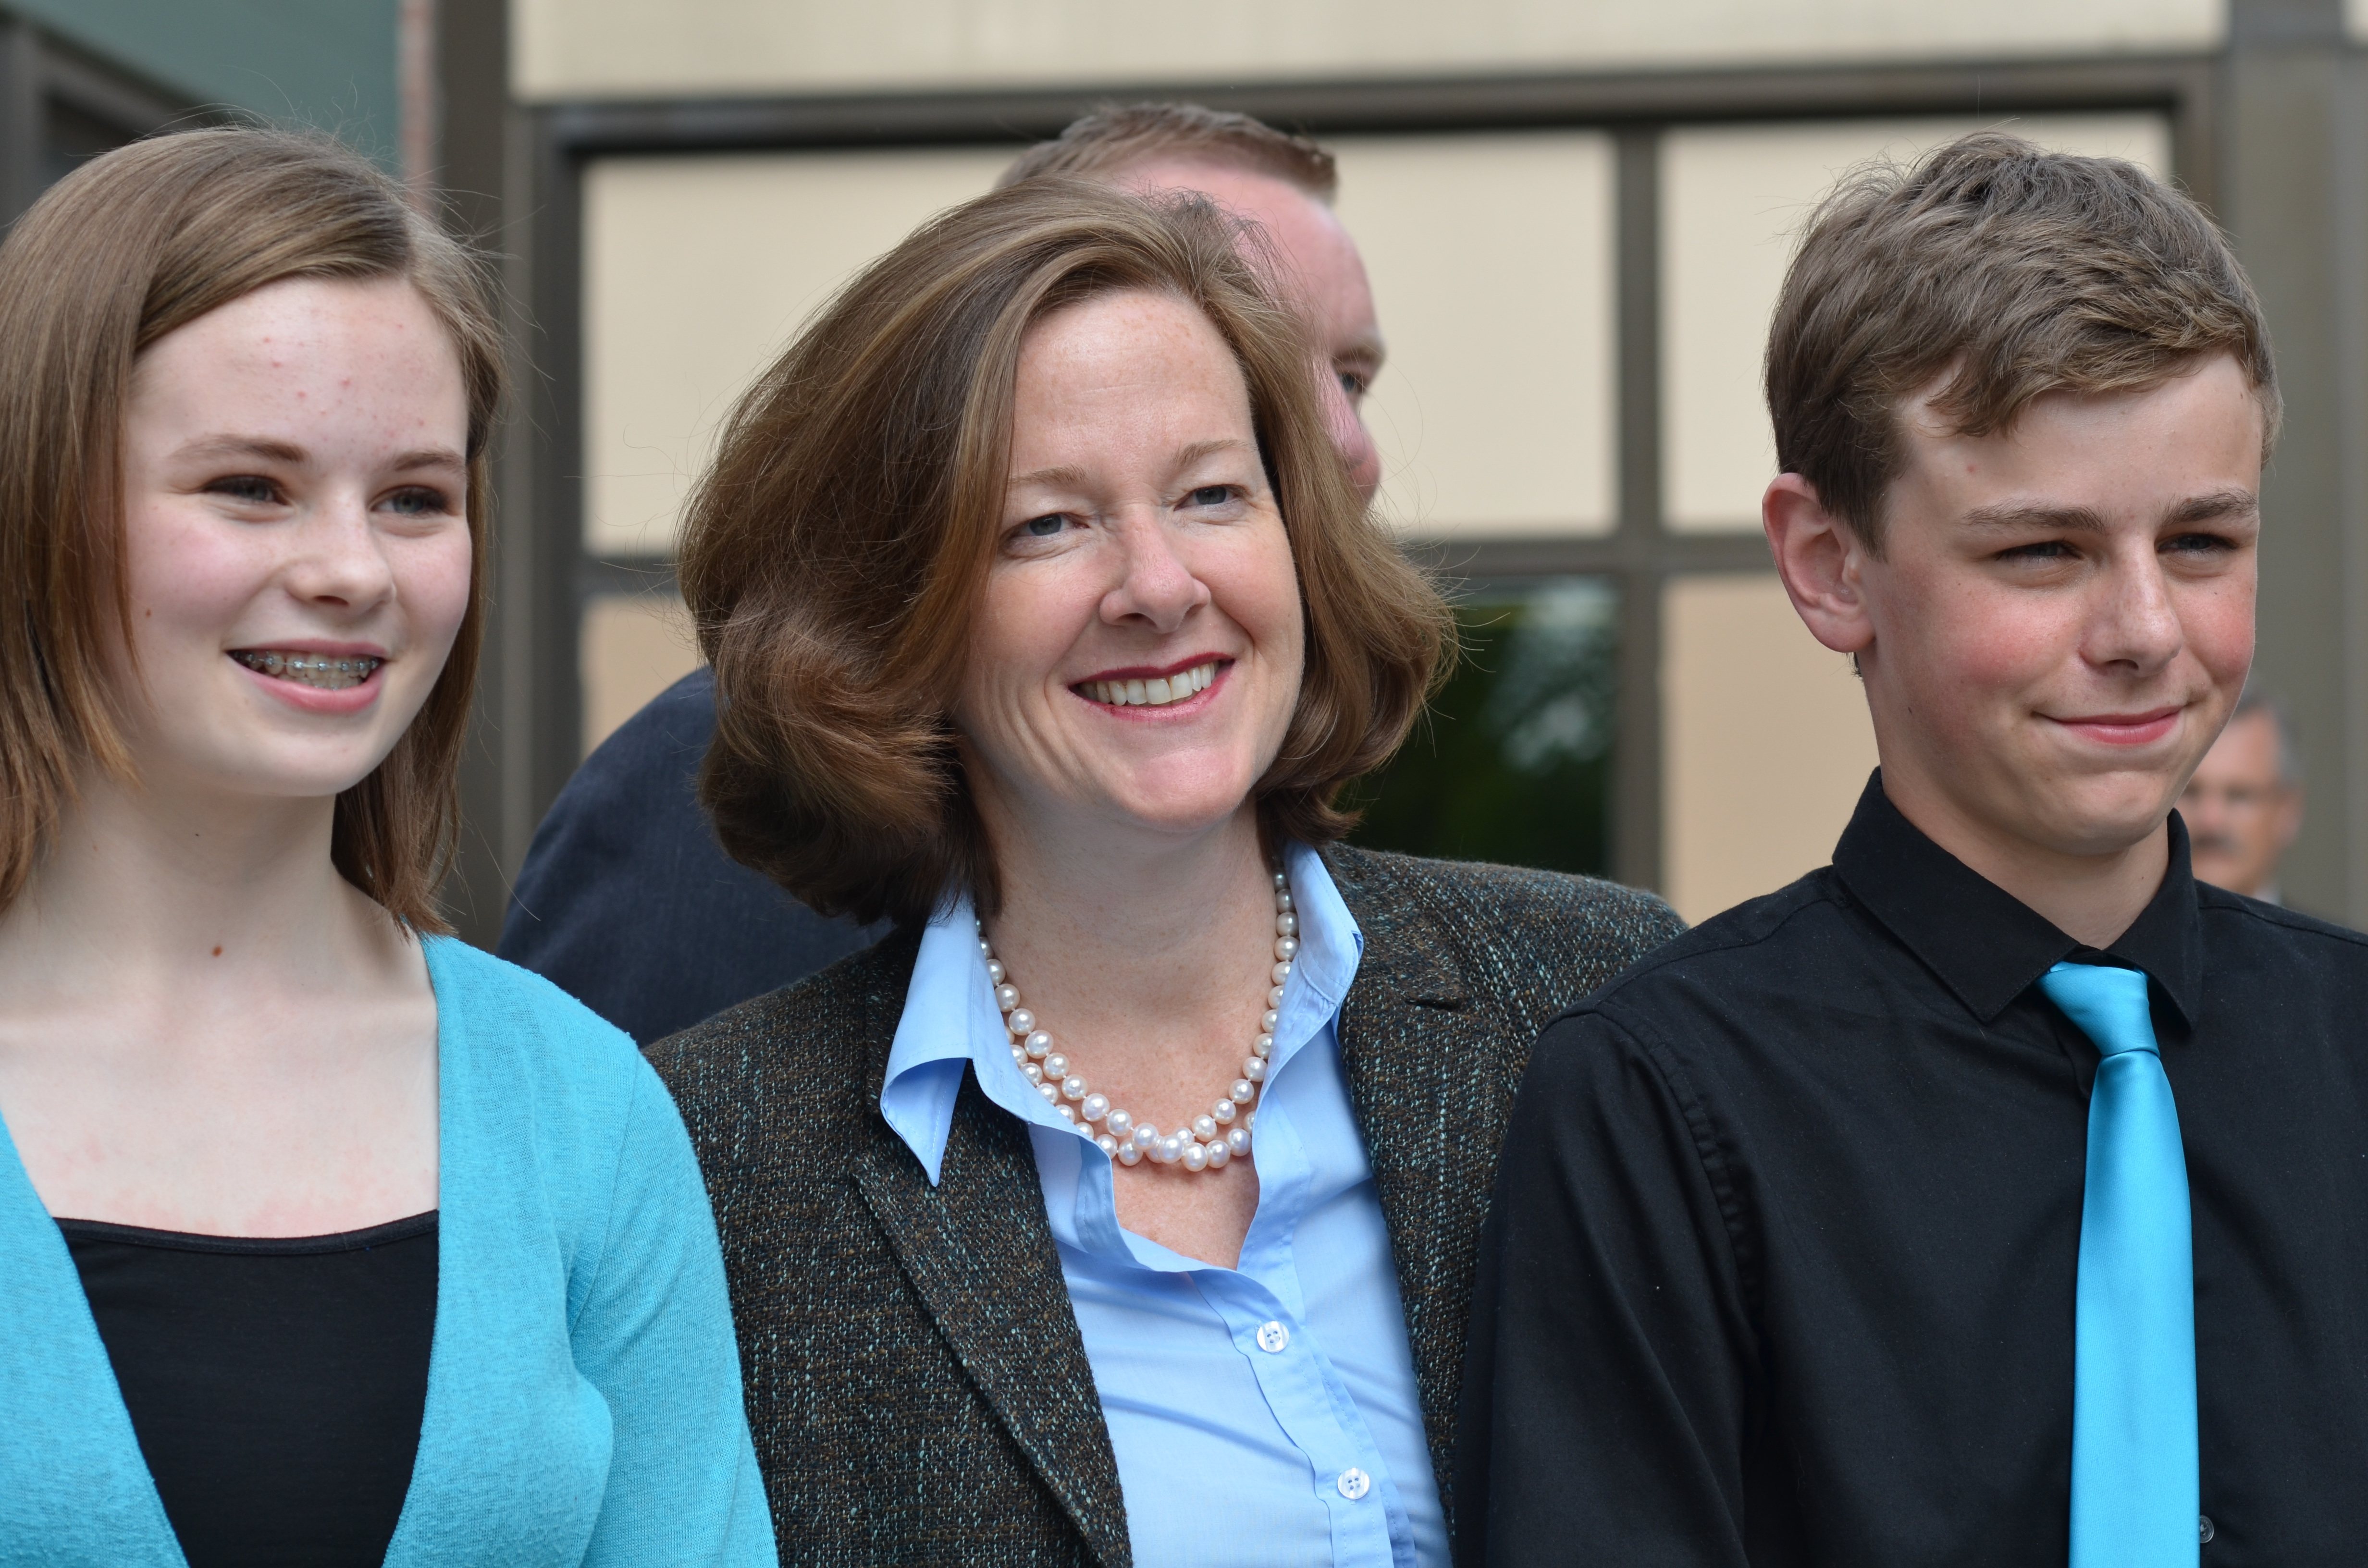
(982, 1257)
(1418, 1053)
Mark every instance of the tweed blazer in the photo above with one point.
(915, 1380)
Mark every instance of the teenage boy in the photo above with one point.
(1997, 1193)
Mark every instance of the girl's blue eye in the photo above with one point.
(1212, 495)
(1041, 527)
(253, 489)
(419, 503)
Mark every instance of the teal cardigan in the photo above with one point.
(583, 1390)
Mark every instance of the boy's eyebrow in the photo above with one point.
(2080, 520)
(2214, 506)
(2210, 507)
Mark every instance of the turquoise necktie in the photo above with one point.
(2135, 1487)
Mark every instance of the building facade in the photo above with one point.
(1575, 218)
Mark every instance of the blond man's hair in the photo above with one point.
(1119, 138)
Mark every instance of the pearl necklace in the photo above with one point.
(1214, 1139)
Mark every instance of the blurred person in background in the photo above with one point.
(625, 900)
(2244, 805)
(325, 1238)
(1122, 1204)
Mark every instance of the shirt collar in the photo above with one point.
(1986, 945)
(951, 1020)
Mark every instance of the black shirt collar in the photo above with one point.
(1987, 946)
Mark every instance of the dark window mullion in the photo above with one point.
(23, 101)
(1636, 752)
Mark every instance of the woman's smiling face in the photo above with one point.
(1138, 649)
(297, 548)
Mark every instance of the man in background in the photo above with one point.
(626, 900)
(1285, 185)
(2244, 805)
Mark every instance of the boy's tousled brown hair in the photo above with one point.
(836, 551)
(2001, 272)
(130, 246)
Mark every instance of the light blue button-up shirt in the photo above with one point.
(1261, 1415)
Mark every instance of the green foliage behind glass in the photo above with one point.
(1513, 763)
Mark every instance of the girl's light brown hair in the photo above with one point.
(129, 247)
(836, 551)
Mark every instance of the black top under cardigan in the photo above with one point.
(915, 1381)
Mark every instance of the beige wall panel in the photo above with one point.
(631, 647)
(1766, 743)
(1733, 200)
(697, 270)
(624, 47)
(1492, 261)
(1494, 413)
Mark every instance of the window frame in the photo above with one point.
(39, 73)
(557, 577)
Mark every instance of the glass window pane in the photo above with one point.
(630, 647)
(1513, 763)
(1765, 740)
(1492, 263)
(696, 271)
(1494, 413)
(70, 137)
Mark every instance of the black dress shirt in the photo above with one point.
(1779, 1268)
(628, 903)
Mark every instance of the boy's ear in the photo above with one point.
(1821, 561)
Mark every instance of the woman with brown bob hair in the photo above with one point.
(1120, 1206)
(323, 1237)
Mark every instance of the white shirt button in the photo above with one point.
(1272, 1337)
(1354, 1483)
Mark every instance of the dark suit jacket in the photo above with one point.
(915, 1380)
(628, 903)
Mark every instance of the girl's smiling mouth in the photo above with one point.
(328, 672)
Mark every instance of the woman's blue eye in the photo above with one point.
(1042, 528)
(1212, 495)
